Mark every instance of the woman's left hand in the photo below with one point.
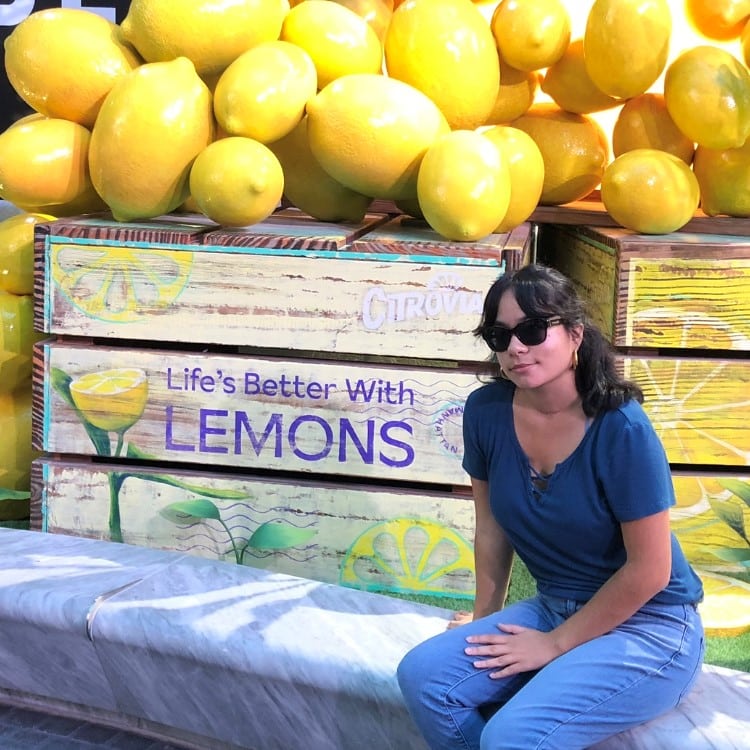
(518, 649)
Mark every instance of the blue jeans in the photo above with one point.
(615, 682)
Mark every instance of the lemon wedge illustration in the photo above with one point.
(410, 555)
(112, 400)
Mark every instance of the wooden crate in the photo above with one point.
(700, 406)
(672, 291)
(391, 422)
(288, 283)
(371, 537)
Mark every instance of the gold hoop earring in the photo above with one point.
(574, 364)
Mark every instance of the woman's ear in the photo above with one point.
(576, 335)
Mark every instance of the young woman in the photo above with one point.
(568, 473)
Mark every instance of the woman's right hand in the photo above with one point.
(460, 618)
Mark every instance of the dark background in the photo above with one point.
(13, 12)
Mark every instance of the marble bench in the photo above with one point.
(217, 656)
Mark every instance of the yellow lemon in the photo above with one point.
(152, 125)
(370, 132)
(376, 12)
(724, 179)
(645, 122)
(650, 191)
(309, 187)
(569, 85)
(44, 162)
(515, 95)
(445, 49)
(112, 400)
(626, 44)
(17, 252)
(236, 181)
(574, 148)
(211, 35)
(463, 186)
(63, 61)
(531, 34)
(17, 339)
(707, 93)
(263, 93)
(526, 167)
(718, 19)
(338, 40)
(86, 203)
(745, 42)
(16, 453)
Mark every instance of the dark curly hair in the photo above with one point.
(542, 292)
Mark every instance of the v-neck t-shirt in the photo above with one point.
(568, 532)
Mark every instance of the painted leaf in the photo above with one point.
(731, 514)
(729, 554)
(279, 535)
(194, 488)
(6, 494)
(201, 508)
(741, 489)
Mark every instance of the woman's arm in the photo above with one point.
(646, 572)
(493, 555)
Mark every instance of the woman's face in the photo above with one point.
(532, 366)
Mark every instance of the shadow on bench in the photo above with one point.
(220, 656)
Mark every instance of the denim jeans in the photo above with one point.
(612, 683)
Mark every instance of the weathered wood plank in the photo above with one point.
(699, 406)
(388, 422)
(304, 286)
(376, 538)
(590, 211)
(685, 291)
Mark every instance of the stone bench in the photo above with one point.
(218, 656)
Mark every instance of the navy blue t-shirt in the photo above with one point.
(568, 534)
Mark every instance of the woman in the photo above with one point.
(568, 473)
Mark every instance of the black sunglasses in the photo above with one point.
(529, 332)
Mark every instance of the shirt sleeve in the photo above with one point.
(636, 480)
(475, 458)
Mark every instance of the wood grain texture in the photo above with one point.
(590, 211)
(388, 422)
(416, 534)
(700, 407)
(399, 300)
(679, 291)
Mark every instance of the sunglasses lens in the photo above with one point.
(531, 332)
(497, 338)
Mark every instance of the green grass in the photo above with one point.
(732, 652)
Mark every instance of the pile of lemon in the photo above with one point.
(468, 114)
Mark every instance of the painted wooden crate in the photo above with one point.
(674, 291)
(699, 405)
(400, 423)
(383, 287)
(394, 422)
(364, 536)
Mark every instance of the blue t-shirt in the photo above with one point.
(568, 534)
